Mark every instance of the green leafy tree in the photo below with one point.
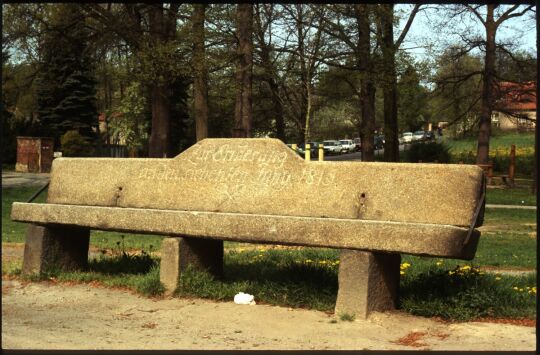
(66, 94)
(457, 94)
(129, 125)
(413, 102)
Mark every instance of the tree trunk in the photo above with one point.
(160, 136)
(367, 127)
(278, 110)
(244, 67)
(367, 87)
(200, 88)
(484, 131)
(270, 74)
(391, 148)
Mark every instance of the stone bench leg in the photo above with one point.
(179, 252)
(367, 282)
(55, 248)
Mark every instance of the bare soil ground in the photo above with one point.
(50, 315)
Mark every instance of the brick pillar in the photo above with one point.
(367, 282)
(55, 247)
(179, 252)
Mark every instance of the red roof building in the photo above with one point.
(515, 106)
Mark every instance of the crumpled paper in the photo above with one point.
(244, 298)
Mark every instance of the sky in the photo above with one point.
(521, 30)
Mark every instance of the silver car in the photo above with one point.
(332, 147)
(348, 145)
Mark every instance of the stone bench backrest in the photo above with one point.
(264, 176)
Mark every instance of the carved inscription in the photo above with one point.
(218, 167)
(226, 153)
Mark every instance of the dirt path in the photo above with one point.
(61, 316)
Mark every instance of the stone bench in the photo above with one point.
(260, 191)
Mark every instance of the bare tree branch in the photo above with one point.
(407, 25)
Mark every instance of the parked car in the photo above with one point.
(378, 141)
(407, 137)
(332, 147)
(313, 147)
(358, 144)
(429, 136)
(418, 136)
(348, 145)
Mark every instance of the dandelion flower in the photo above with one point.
(402, 272)
(497, 278)
(439, 263)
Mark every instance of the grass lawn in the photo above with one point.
(513, 196)
(307, 277)
(499, 140)
(464, 150)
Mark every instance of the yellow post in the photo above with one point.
(307, 152)
(321, 152)
(294, 148)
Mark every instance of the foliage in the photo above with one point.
(412, 105)
(456, 98)
(464, 150)
(65, 84)
(75, 145)
(428, 152)
(130, 125)
(466, 293)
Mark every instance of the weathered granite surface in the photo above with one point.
(264, 176)
(367, 282)
(177, 253)
(411, 238)
(55, 247)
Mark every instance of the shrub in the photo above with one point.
(500, 157)
(428, 152)
(75, 145)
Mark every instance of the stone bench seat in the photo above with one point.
(410, 238)
(260, 191)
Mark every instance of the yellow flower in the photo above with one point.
(451, 272)
(322, 262)
(309, 261)
(402, 272)
(439, 263)
(520, 290)
(241, 250)
(515, 288)
(404, 266)
(497, 278)
(465, 267)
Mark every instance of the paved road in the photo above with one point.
(13, 179)
(512, 206)
(356, 156)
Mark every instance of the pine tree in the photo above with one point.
(66, 86)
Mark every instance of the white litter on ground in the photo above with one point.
(244, 298)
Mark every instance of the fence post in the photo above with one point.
(490, 172)
(512, 166)
(307, 152)
(321, 152)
